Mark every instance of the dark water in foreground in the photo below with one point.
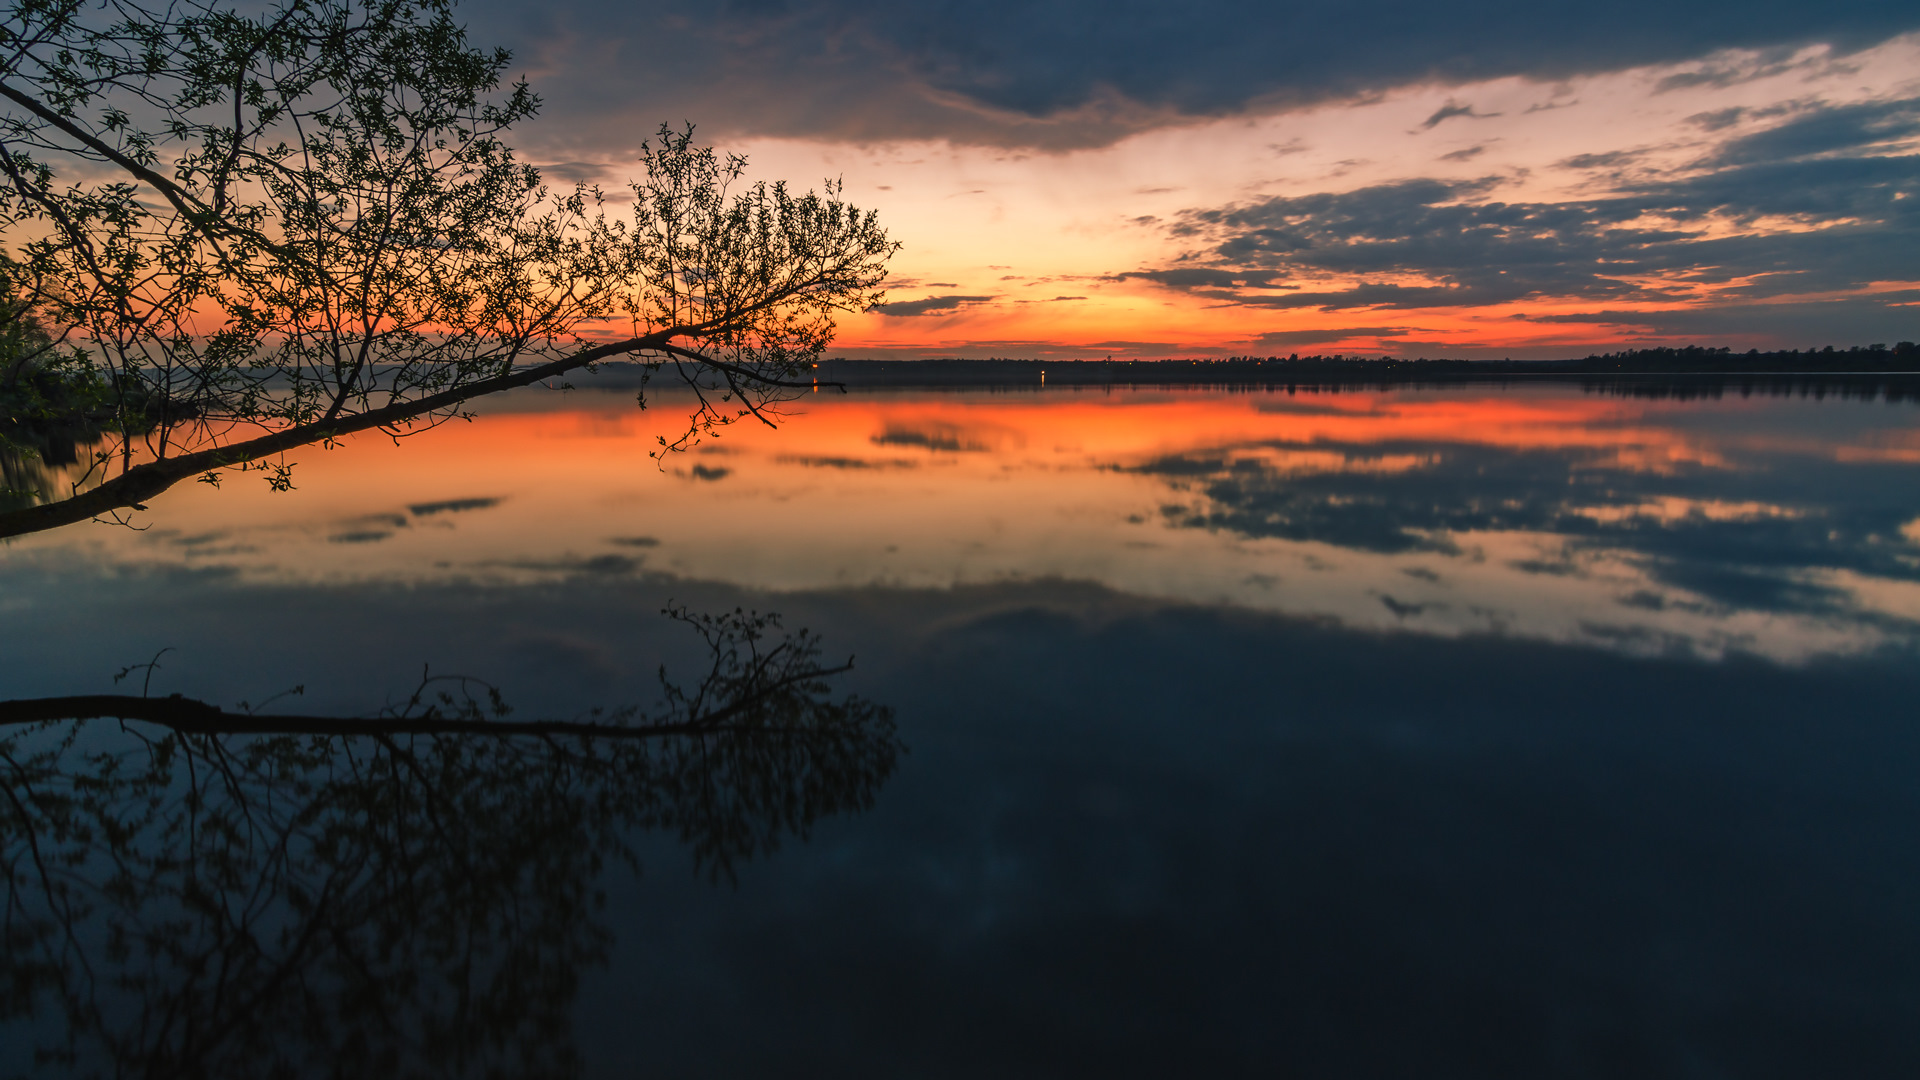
(1442, 733)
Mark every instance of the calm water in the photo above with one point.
(1464, 732)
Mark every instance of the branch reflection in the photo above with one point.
(193, 892)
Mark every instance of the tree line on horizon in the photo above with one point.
(1685, 353)
(1690, 359)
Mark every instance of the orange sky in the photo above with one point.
(1027, 244)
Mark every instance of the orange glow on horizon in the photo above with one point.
(1027, 251)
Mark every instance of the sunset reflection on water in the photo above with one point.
(1785, 527)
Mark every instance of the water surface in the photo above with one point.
(1475, 731)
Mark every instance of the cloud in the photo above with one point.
(1885, 317)
(575, 172)
(575, 565)
(1315, 337)
(1601, 161)
(1723, 74)
(1732, 69)
(1721, 119)
(1718, 119)
(1430, 243)
(932, 305)
(1451, 110)
(1078, 73)
(1826, 131)
(1468, 154)
(1195, 277)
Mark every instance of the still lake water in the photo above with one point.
(1474, 731)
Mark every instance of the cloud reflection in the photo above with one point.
(1781, 526)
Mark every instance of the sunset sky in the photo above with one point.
(1073, 178)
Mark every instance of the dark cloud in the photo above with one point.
(1649, 240)
(1885, 317)
(574, 566)
(1468, 154)
(1722, 73)
(1607, 160)
(575, 172)
(1451, 110)
(1076, 73)
(1751, 589)
(1032, 349)
(1826, 131)
(1315, 337)
(1721, 119)
(932, 305)
(1195, 277)
(1401, 608)
(1716, 120)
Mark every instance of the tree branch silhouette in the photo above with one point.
(197, 892)
(344, 240)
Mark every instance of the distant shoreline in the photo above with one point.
(1892, 372)
(1867, 361)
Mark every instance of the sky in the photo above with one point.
(1078, 179)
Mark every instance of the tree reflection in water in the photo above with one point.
(193, 892)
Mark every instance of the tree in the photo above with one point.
(273, 229)
(51, 400)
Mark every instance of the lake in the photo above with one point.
(1475, 730)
